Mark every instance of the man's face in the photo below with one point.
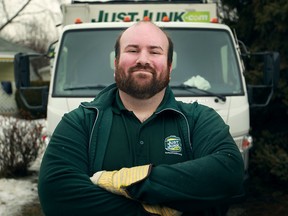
(142, 69)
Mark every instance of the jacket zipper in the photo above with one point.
(94, 124)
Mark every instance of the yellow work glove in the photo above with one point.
(161, 210)
(117, 181)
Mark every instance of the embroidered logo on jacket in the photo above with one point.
(173, 145)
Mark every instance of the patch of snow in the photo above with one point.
(16, 193)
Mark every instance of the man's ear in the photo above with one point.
(115, 63)
(170, 67)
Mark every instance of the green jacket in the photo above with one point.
(200, 186)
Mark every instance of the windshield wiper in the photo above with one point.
(191, 88)
(98, 86)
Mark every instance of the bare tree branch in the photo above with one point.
(5, 10)
(16, 14)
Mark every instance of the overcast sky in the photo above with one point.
(45, 13)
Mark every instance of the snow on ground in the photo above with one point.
(15, 193)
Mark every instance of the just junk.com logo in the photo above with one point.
(175, 16)
(173, 145)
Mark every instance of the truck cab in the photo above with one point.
(206, 68)
(207, 63)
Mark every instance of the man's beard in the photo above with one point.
(128, 83)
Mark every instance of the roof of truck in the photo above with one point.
(139, 1)
(161, 24)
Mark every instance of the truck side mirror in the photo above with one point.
(26, 88)
(260, 95)
(21, 70)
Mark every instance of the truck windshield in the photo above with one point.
(203, 59)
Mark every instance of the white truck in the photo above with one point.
(207, 63)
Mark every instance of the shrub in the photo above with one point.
(20, 145)
(269, 158)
